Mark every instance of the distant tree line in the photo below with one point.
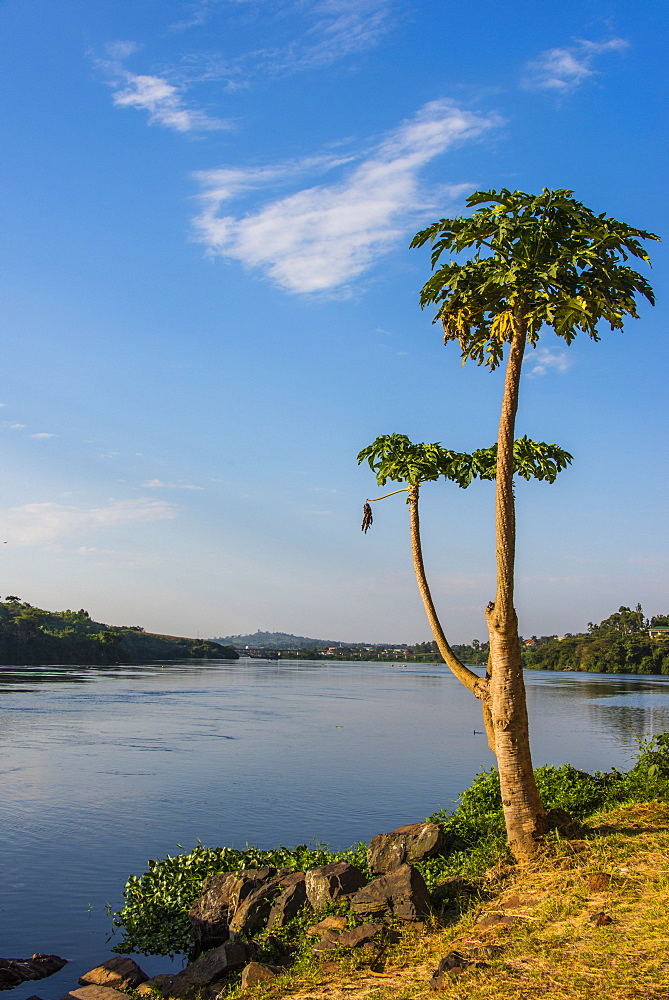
(32, 635)
(620, 644)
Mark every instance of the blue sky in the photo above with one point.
(210, 306)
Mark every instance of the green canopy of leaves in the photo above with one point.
(395, 457)
(541, 259)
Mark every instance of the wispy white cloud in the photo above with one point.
(337, 29)
(17, 427)
(39, 523)
(311, 33)
(321, 237)
(157, 484)
(43, 435)
(543, 360)
(562, 70)
(161, 99)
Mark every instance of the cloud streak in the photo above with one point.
(563, 70)
(157, 484)
(544, 360)
(40, 523)
(321, 237)
(323, 31)
(161, 99)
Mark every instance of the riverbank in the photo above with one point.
(586, 919)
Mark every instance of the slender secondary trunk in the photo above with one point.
(477, 685)
(523, 810)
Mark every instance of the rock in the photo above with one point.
(209, 914)
(328, 924)
(403, 892)
(289, 903)
(159, 984)
(332, 882)
(258, 972)
(359, 935)
(14, 971)
(451, 966)
(601, 919)
(248, 881)
(415, 842)
(259, 905)
(95, 993)
(329, 941)
(211, 966)
(334, 938)
(119, 973)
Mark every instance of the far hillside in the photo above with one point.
(276, 640)
(32, 635)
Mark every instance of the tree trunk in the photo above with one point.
(477, 685)
(523, 810)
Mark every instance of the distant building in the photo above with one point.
(659, 632)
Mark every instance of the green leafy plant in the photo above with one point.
(154, 919)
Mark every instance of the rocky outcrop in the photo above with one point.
(212, 966)
(14, 971)
(414, 842)
(209, 915)
(234, 906)
(256, 973)
(333, 882)
(335, 938)
(290, 901)
(95, 993)
(402, 893)
(119, 973)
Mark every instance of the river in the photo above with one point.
(102, 768)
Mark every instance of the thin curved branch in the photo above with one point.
(477, 685)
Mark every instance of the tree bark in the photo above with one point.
(477, 685)
(524, 813)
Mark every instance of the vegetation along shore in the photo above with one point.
(31, 635)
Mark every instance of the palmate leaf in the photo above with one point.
(541, 259)
(396, 457)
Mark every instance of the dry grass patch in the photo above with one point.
(540, 935)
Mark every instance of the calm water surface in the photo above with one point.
(102, 768)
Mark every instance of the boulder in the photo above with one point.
(334, 923)
(14, 971)
(209, 914)
(161, 983)
(252, 913)
(259, 972)
(334, 938)
(289, 903)
(329, 941)
(402, 892)
(452, 966)
(211, 966)
(359, 935)
(120, 973)
(95, 993)
(415, 842)
(332, 882)
(248, 881)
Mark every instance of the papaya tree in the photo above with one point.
(395, 457)
(518, 264)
